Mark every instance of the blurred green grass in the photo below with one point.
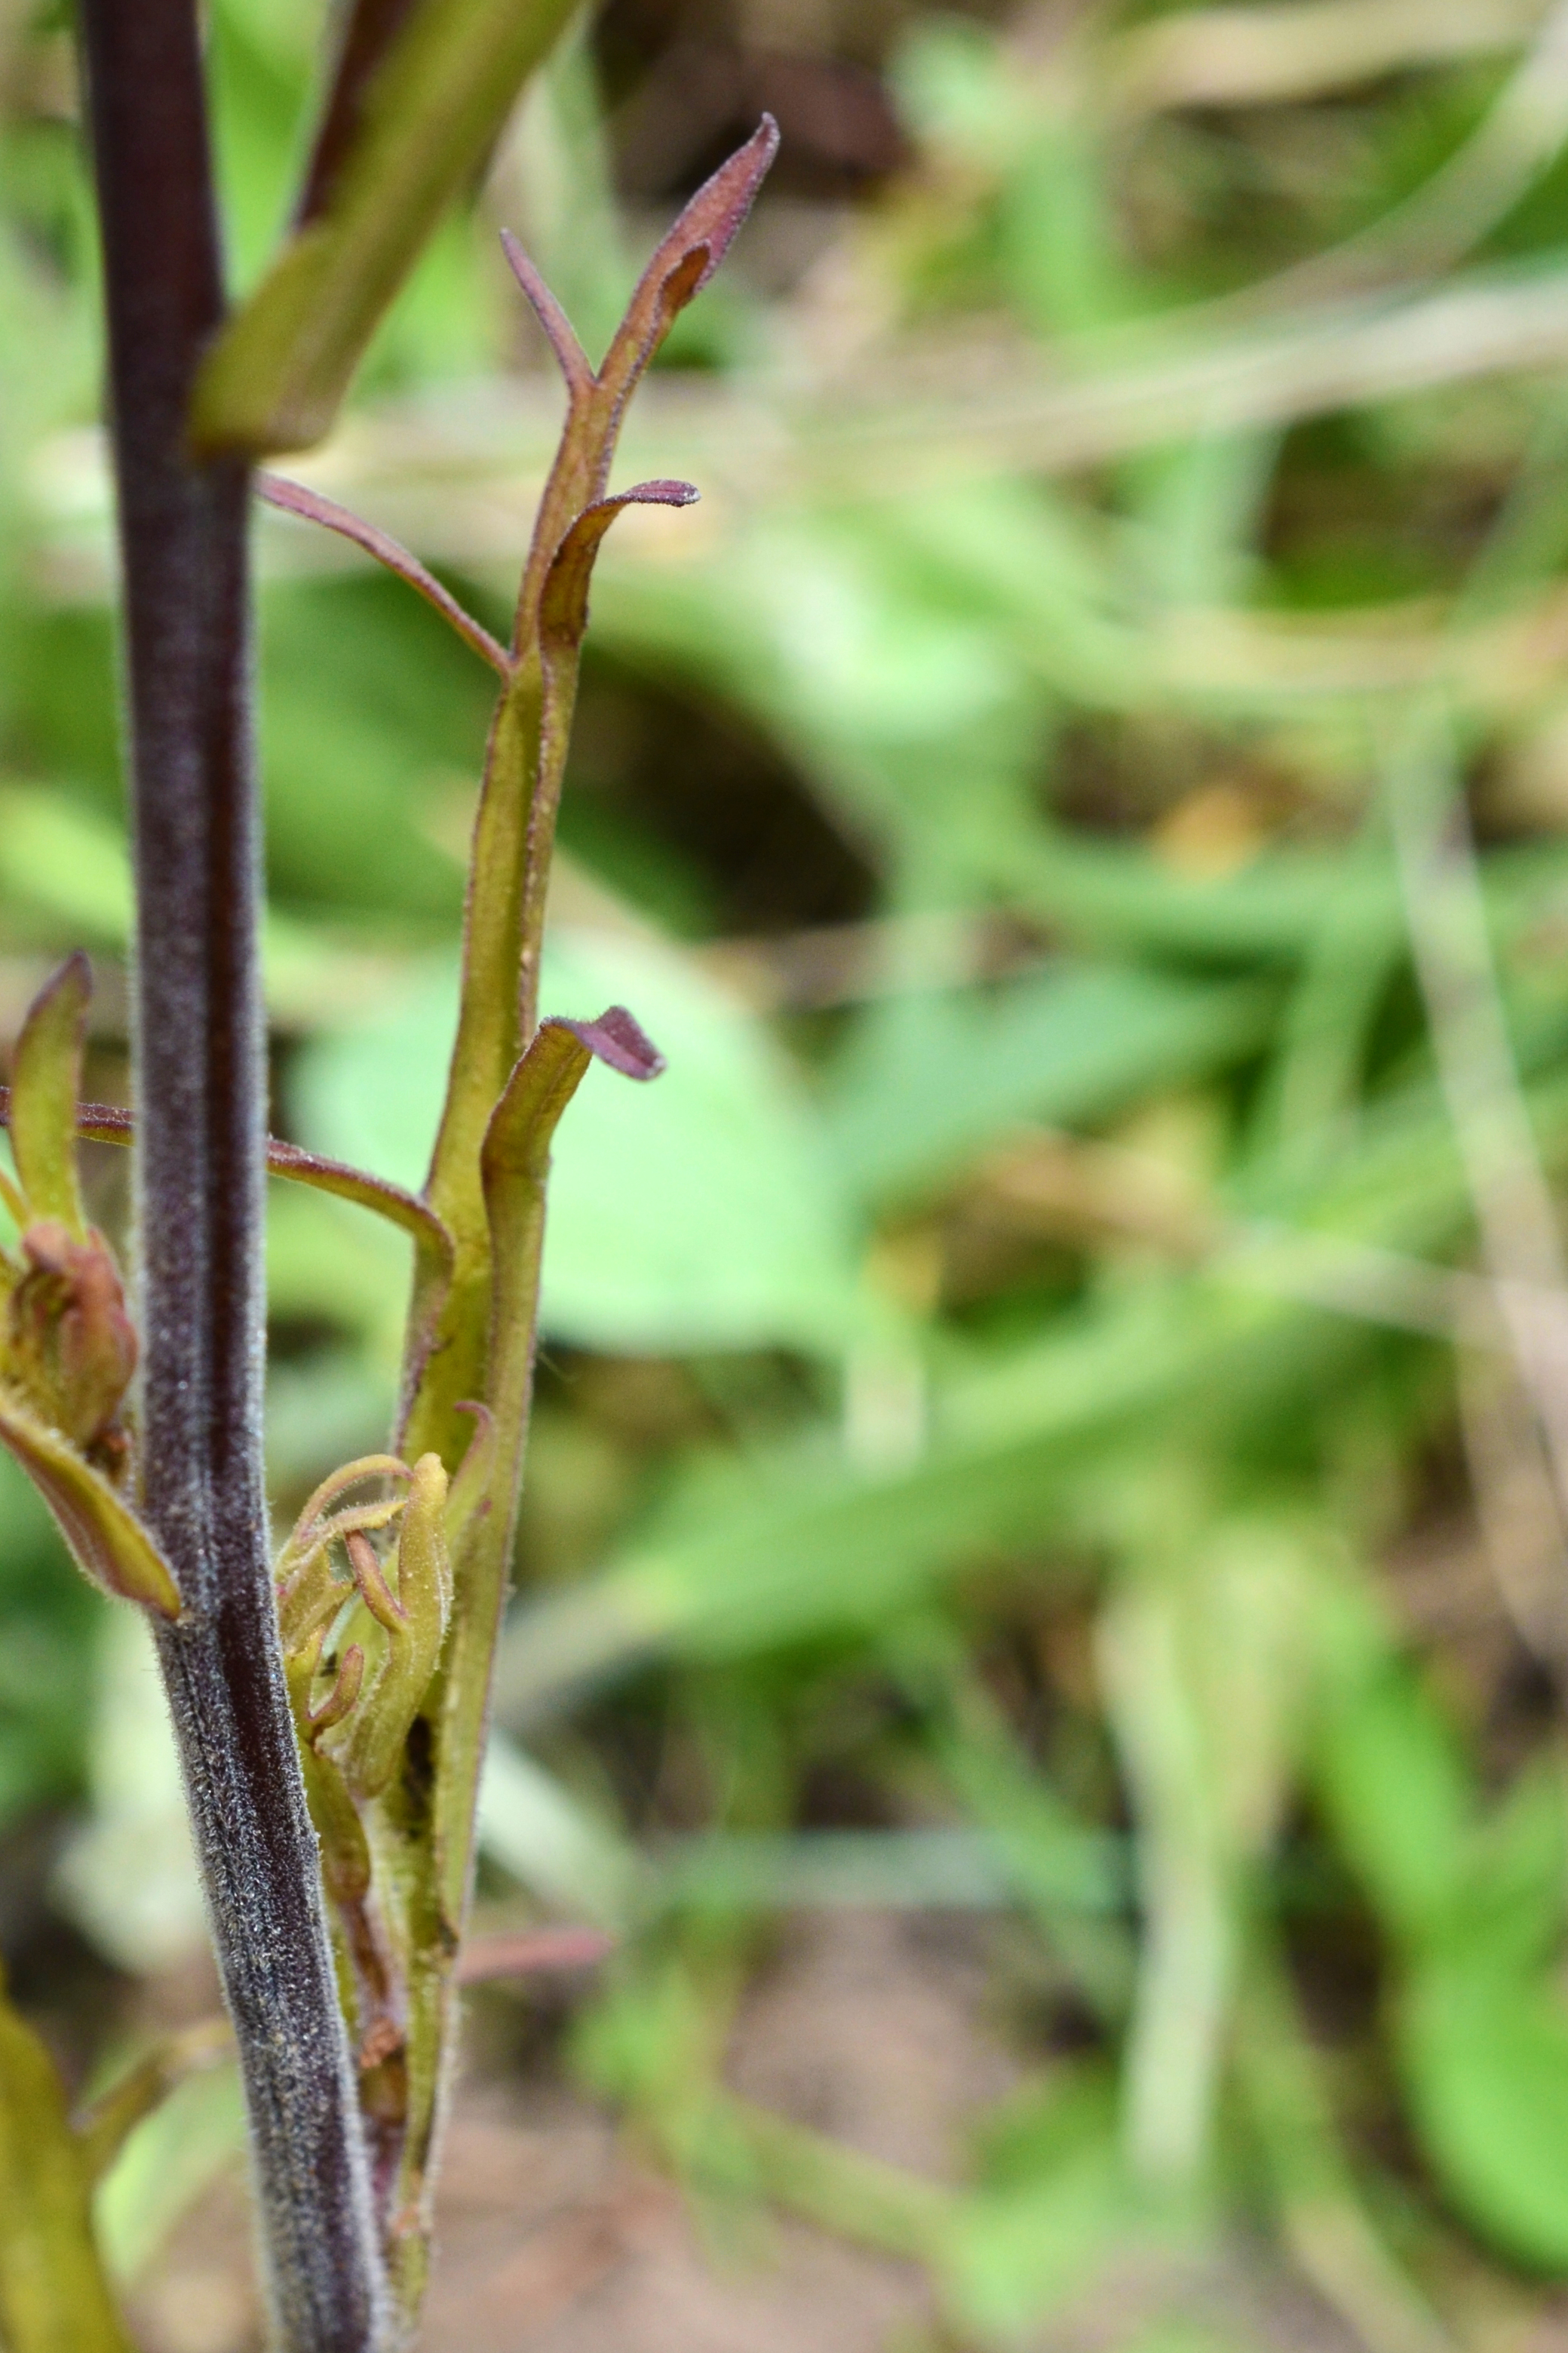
(1082, 806)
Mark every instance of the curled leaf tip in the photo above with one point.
(658, 493)
(564, 608)
(617, 1039)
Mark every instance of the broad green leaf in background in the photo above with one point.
(929, 1079)
(53, 2293)
(1015, 2260)
(798, 1543)
(1484, 2058)
(699, 1213)
(48, 1619)
(1475, 1907)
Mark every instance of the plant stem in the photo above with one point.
(198, 1041)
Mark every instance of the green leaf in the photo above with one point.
(1064, 2209)
(702, 1213)
(73, 866)
(140, 2089)
(432, 111)
(805, 1544)
(515, 1162)
(165, 2165)
(66, 861)
(1392, 1774)
(54, 2297)
(45, 1080)
(108, 1542)
(1514, 1912)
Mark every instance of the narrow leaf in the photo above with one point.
(686, 259)
(421, 123)
(293, 497)
(107, 1540)
(683, 262)
(433, 1250)
(53, 2293)
(108, 2123)
(46, 1079)
(517, 1145)
(109, 1124)
(369, 33)
(560, 333)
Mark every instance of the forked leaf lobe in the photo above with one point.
(686, 257)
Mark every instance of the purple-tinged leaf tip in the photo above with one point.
(714, 217)
(619, 1041)
(686, 259)
(564, 608)
(542, 1082)
(657, 493)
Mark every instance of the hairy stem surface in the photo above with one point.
(198, 1053)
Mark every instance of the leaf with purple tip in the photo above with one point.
(564, 608)
(516, 1162)
(686, 259)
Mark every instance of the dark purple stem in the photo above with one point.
(199, 1090)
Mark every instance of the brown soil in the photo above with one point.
(554, 2237)
(875, 2028)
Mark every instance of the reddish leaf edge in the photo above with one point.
(706, 227)
(563, 607)
(108, 1124)
(617, 1039)
(312, 506)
